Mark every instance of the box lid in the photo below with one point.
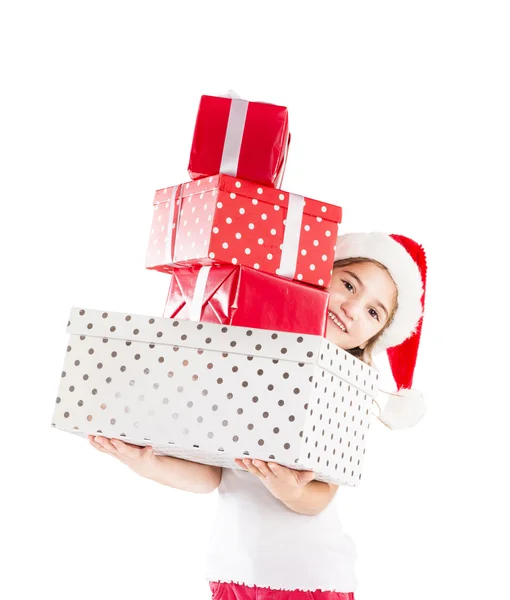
(277, 345)
(248, 189)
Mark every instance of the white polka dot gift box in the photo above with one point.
(238, 295)
(211, 393)
(240, 138)
(225, 220)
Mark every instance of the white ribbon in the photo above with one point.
(195, 311)
(168, 250)
(233, 137)
(291, 235)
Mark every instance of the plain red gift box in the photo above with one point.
(227, 220)
(238, 295)
(239, 138)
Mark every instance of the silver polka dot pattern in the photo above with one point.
(294, 399)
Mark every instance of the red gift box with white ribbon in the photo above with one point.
(240, 138)
(227, 220)
(238, 295)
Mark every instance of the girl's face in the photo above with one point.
(361, 299)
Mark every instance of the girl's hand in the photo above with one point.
(142, 461)
(284, 483)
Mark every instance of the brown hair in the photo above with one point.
(365, 354)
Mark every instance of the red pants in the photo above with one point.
(234, 591)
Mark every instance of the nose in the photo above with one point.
(351, 308)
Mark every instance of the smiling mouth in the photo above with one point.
(337, 321)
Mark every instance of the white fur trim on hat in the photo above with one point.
(404, 272)
(403, 409)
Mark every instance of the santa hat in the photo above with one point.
(406, 262)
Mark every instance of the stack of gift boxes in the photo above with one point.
(238, 365)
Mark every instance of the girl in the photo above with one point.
(277, 535)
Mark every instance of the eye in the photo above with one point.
(349, 286)
(374, 313)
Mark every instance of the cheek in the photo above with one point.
(334, 299)
(369, 327)
(377, 327)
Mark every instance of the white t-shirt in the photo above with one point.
(258, 541)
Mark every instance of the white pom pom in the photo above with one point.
(404, 409)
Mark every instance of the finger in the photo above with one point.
(277, 470)
(126, 450)
(253, 469)
(98, 447)
(129, 451)
(100, 439)
(93, 439)
(305, 477)
(101, 448)
(240, 463)
(262, 467)
(128, 445)
(106, 444)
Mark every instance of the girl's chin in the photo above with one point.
(337, 340)
(338, 337)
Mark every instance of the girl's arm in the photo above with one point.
(175, 472)
(296, 489)
(312, 498)
(186, 475)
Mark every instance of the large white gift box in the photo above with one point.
(211, 393)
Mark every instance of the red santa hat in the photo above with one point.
(406, 262)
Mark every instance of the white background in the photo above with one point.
(398, 112)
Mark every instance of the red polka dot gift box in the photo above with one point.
(240, 138)
(226, 220)
(238, 295)
(211, 393)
